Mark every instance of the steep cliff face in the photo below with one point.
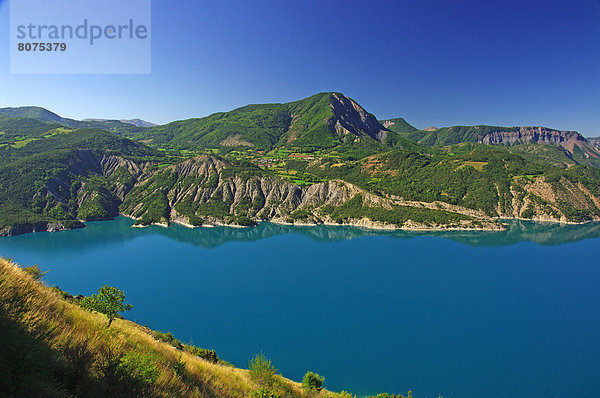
(569, 140)
(206, 190)
(539, 199)
(352, 119)
(91, 186)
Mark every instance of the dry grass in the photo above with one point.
(476, 165)
(63, 327)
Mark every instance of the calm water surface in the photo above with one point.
(508, 314)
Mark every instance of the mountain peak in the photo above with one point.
(323, 120)
(351, 118)
(134, 122)
(398, 125)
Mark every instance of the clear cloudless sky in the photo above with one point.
(432, 62)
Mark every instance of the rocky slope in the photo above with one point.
(595, 142)
(207, 190)
(543, 200)
(571, 146)
(569, 140)
(349, 118)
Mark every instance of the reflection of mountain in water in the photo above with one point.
(118, 230)
(547, 234)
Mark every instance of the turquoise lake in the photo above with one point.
(459, 314)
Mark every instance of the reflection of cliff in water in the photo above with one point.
(119, 230)
(543, 233)
(517, 231)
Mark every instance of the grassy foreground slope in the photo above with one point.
(50, 347)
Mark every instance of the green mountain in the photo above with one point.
(14, 128)
(53, 181)
(322, 121)
(537, 143)
(34, 112)
(323, 159)
(398, 125)
(43, 115)
(135, 122)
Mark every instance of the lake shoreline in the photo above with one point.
(375, 226)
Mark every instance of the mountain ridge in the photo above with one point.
(323, 120)
(322, 159)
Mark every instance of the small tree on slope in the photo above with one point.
(109, 301)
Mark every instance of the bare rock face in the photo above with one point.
(566, 139)
(235, 140)
(206, 182)
(531, 134)
(110, 163)
(595, 142)
(351, 118)
(129, 170)
(193, 189)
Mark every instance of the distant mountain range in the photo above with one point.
(45, 116)
(323, 159)
(322, 121)
(135, 122)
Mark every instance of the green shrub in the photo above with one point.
(244, 221)
(528, 212)
(141, 367)
(179, 366)
(265, 392)
(386, 395)
(262, 370)
(209, 355)
(168, 338)
(312, 381)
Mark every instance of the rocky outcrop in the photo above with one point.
(235, 141)
(352, 119)
(203, 191)
(109, 164)
(557, 201)
(208, 190)
(569, 140)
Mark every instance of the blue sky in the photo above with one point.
(434, 63)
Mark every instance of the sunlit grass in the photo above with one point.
(64, 327)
